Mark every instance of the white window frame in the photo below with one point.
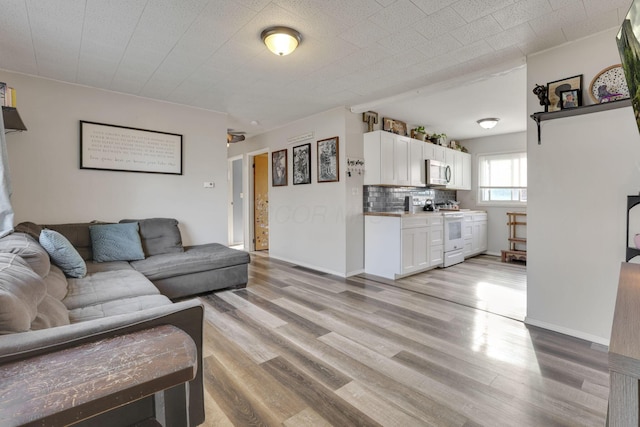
(510, 203)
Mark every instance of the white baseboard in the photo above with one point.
(354, 273)
(309, 266)
(566, 331)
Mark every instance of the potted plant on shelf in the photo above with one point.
(419, 133)
(438, 138)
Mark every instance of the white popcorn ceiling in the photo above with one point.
(208, 53)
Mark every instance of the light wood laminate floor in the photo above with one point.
(302, 348)
(482, 282)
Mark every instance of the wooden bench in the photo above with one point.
(72, 385)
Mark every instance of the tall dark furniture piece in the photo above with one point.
(631, 251)
(624, 351)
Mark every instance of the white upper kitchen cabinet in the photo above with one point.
(466, 171)
(455, 163)
(401, 160)
(460, 164)
(392, 159)
(416, 163)
(439, 153)
(428, 151)
(387, 159)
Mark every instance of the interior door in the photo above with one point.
(237, 217)
(261, 201)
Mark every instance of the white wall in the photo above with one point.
(354, 223)
(578, 181)
(50, 187)
(497, 229)
(308, 223)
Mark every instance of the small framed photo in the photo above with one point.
(555, 88)
(302, 164)
(279, 171)
(328, 170)
(570, 99)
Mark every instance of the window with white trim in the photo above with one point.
(502, 179)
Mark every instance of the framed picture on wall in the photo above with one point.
(279, 168)
(555, 88)
(302, 164)
(328, 160)
(120, 148)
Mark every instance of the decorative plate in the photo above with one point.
(609, 84)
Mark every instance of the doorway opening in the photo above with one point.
(261, 202)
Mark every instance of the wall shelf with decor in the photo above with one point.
(578, 111)
(12, 120)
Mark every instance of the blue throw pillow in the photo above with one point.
(62, 253)
(116, 242)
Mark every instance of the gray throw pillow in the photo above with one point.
(159, 235)
(63, 254)
(116, 242)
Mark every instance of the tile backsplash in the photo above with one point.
(391, 199)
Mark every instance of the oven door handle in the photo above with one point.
(454, 217)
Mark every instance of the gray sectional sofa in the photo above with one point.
(43, 311)
(175, 270)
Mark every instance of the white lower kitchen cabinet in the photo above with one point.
(474, 233)
(479, 236)
(467, 234)
(437, 241)
(415, 249)
(400, 245)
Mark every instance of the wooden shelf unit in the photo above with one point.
(515, 253)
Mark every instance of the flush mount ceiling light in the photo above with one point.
(281, 40)
(488, 123)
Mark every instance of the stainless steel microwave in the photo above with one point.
(438, 173)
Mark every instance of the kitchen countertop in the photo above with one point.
(401, 214)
